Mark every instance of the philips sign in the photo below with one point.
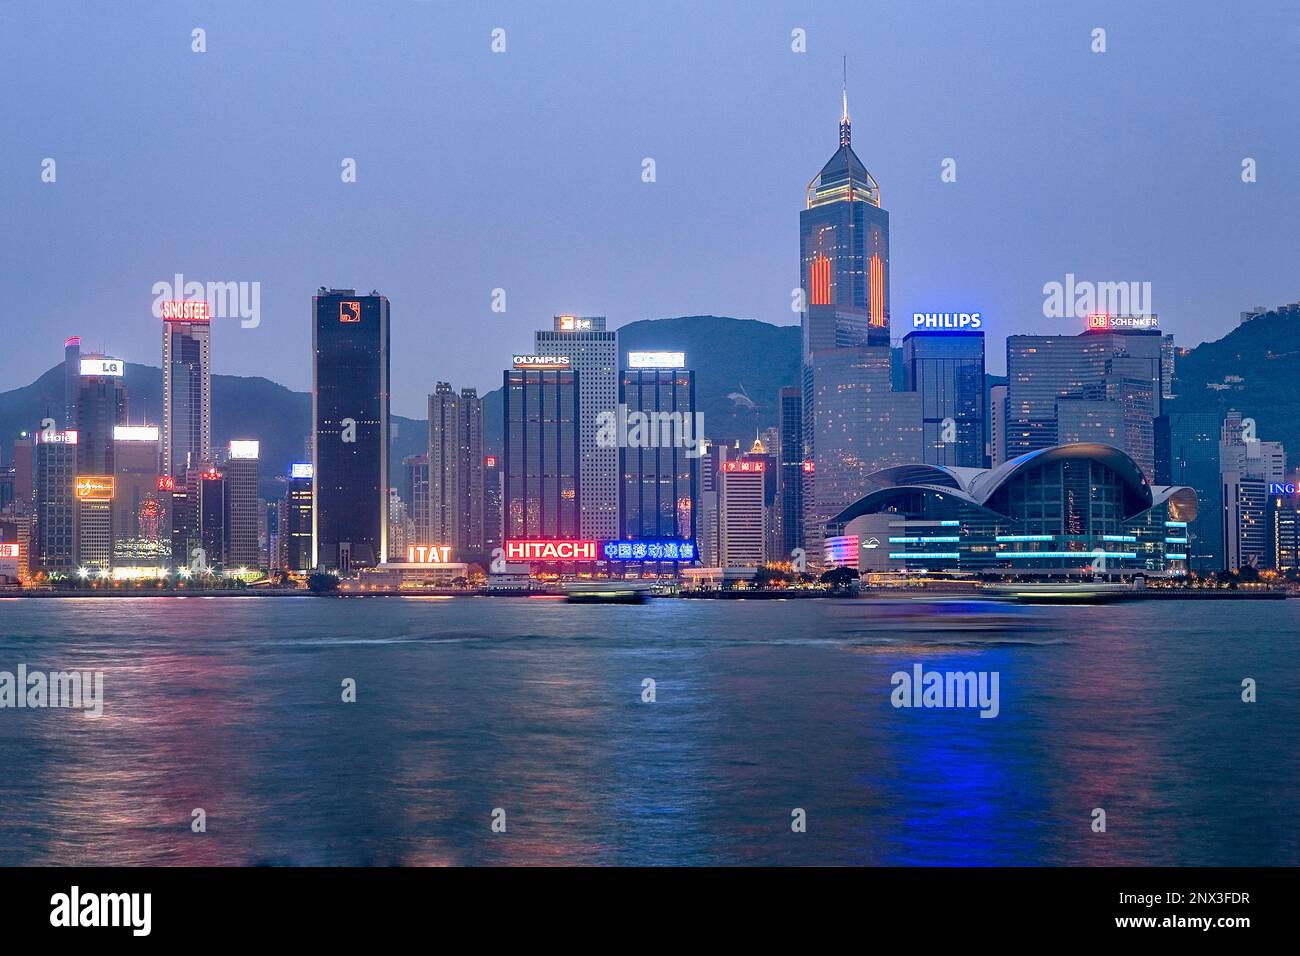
(948, 321)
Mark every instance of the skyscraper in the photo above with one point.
(844, 239)
(543, 485)
(55, 476)
(1122, 366)
(593, 355)
(791, 478)
(295, 520)
(444, 469)
(470, 429)
(187, 393)
(947, 369)
(415, 488)
(101, 407)
(243, 507)
(350, 398)
(71, 379)
(659, 474)
(743, 514)
(998, 425)
(138, 503)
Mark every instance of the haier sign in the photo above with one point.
(946, 321)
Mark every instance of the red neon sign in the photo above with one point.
(166, 483)
(1099, 320)
(546, 550)
(742, 466)
(491, 461)
(809, 466)
(187, 310)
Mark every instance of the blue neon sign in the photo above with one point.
(650, 549)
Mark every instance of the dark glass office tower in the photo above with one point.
(71, 379)
(659, 475)
(55, 475)
(791, 480)
(1042, 370)
(101, 407)
(542, 486)
(295, 520)
(947, 370)
(844, 239)
(1193, 451)
(350, 396)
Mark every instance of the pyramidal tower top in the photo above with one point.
(844, 178)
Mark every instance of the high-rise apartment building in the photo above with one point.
(445, 468)
(997, 425)
(472, 538)
(350, 416)
(790, 478)
(415, 487)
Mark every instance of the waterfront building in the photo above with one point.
(593, 355)
(54, 481)
(416, 492)
(139, 506)
(1123, 366)
(295, 520)
(1246, 532)
(790, 475)
(446, 471)
(844, 242)
(470, 440)
(946, 369)
(742, 514)
(542, 453)
(187, 391)
(658, 454)
(1188, 444)
(493, 490)
(1074, 510)
(350, 416)
(242, 506)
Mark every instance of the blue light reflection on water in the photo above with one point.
(233, 705)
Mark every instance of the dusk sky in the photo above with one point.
(522, 170)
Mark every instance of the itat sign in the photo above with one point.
(946, 321)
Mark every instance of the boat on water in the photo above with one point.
(1062, 592)
(607, 592)
(941, 614)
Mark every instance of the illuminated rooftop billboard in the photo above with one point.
(301, 469)
(93, 487)
(187, 310)
(542, 361)
(245, 449)
(656, 359)
(102, 365)
(135, 433)
(655, 549)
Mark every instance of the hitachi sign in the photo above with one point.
(536, 550)
(946, 320)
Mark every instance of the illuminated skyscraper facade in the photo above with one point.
(350, 415)
(187, 395)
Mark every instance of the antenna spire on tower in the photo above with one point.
(846, 128)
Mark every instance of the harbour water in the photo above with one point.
(761, 708)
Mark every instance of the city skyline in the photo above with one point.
(215, 213)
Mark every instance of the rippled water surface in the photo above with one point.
(534, 706)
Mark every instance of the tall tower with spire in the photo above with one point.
(853, 422)
(844, 237)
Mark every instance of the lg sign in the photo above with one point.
(946, 320)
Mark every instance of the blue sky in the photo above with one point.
(522, 170)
